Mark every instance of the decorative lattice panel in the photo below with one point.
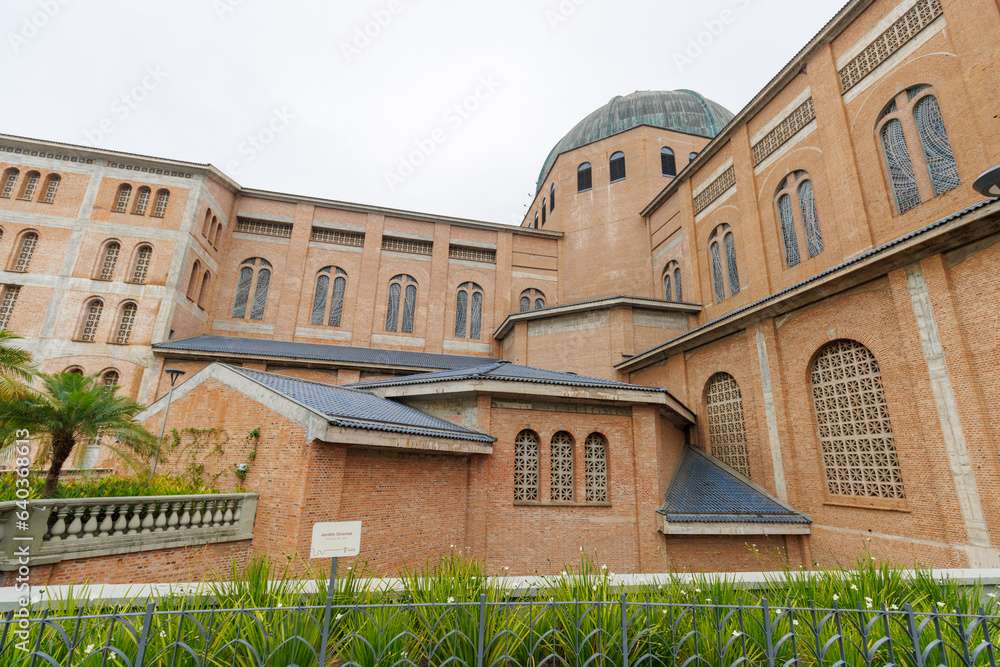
(472, 254)
(7, 302)
(595, 459)
(859, 452)
(407, 245)
(937, 148)
(110, 378)
(125, 323)
(142, 261)
(93, 319)
(124, 192)
(27, 250)
(110, 259)
(890, 41)
(160, 210)
(321, 235)
(715, 189)
(141, 201)
(10, 180)
(262, 228)
(561, 464)
(526, 447)
(727, 434)
(31, 185)
(50, 190)
(783, 131)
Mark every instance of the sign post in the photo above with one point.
(333, 540)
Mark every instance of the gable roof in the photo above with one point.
(706, 490)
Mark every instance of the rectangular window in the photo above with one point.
(7, 302)
(322, 235)
(407, 245)
(262, 228)
(484, 255)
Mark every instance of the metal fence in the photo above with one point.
(621, 632)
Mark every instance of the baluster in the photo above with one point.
(136, 521)
(173, 520)
(3, 525)
(107, 523)
(121, 523)
(196, 517)
(161, 518)
(227, 518)
(90, 527)
(149, 518)
(238, 514)
(208, 514)
(59, 527)
(185, 520)
(76, 525)
(217, 519)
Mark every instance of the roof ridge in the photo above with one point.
(290, 377)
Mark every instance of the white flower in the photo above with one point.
(708, 599)
(835, 597)
(339, 616)
(89, 649)
(564, 573)
(854, 587)
(280, 605)
(506, 568)
(894, 607)
(736, 633)
(868, 603)
(604, 567)
(451, 600)
(581, 548)
(663, 611)
(867, 599)
(697, 590)
(991, 595)
(452, 546)
(940, 604)
(595, 588)
(795, 622)
(163, 633)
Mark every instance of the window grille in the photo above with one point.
(142, 261)
(668, 162)
(525, 304)
(526, 447)
(583, 177)
(242, 292)
(141, 201)
(7, 301)
(125, 323)
(672, 278)
(717, 280)
(461, 312)
(162, 197)
(407, 245)
(734, 275)
(529, 294)
(319, 299)
(476, 321)
(30, 185)
(810, 218)
(595, 458)
(677, 284)
(396, 290)
(392, 307)
(715, 189)
(788, 235)
(859, 451)
(93, 318)
(244, 284)
(262, 228)
(336, 298)
(10, 180)
(321, 235)
(727, 435)
(50, 188)
(668, 293)
(937, 148)
(28, 244)
(783, 131)
(901, 174)
(260, 295)
(552, 197)
(124, 193)
(110, 379)
(469, 309)
(409, 308)
(617, 165)
(561, 466)
(484, 255)
(110, 259)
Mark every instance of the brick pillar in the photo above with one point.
(646, 483)
(371, 256)
(291, 279)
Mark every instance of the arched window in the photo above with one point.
(677, 284)
(203, 292)
(543, 212)
(727, 434)
(28, 244)
(121, 201)
(162, 196)
(75, 370)
(320, 314)
(9, 181)
(254, 273)
(552, 197)
(125, 321)
(595, 465)
(536, 219)
(692, 156)
(583, 180)
(8, 297)
(722, 239)
(859, 451)
(913, 118)
(532, 297)
(469, 310)
(561, 466)
(798, 187)
(141, 201)
(668, 292)
(526, 447)
(617, 165)
(216, 228)
(51, 186)
(91, 319)
(402, 288)
(30, 185)
(110, 378)
(672, 279)
(143, 257)
(193, 280)
(206, 226)
(108, 261)
(668, 162)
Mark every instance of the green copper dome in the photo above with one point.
(679, 110)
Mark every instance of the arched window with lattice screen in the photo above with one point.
(106, 271)
(855, 433)
(595, 465)
(401, 288)
(469, 311)
(91, 320)
(126, 320)
(561, 466)
(143, 257)
(526, 447)
(255, 273)
(727, 435)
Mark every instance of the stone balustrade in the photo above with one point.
(64, 529)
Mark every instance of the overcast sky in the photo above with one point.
(442, 106)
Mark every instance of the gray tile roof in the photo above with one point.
(705, 490)
(359, 409)
(504, 370)
(235, 345)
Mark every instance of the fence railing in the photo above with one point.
(618, 632)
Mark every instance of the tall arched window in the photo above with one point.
(110, 378)
(192, 287)
(9, 181)
(797, 187)
(595, 466)
(722, 240)
(552, 197)
(141, 201)
(677, 284)
(30, 185)
(402, 295)
(206, 226)
(859, 451)
(108, 261)
(913, 118)
(91, 320)
(536, 220)
(668, 161)
(121, 200)
(28, 244)
(617, 166)
(320, 314)
(203, 292)
(143, 257)
(526, 446)
(561, 466)
(469, 310)
(583, 180)
(727, 434)
(672, 282)
(162, 197)
(254, 273)
(216, 228)
(125, 321)
(51, 186)
(532, 298)
(543, 212)
(8, 297)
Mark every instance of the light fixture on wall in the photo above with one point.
(988, 183)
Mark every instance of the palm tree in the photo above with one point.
(73, 408)
(15, 366)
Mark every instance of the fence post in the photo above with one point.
(768, 639)
(911, 624)
(147, 623)
(624, 632)
(481, 645)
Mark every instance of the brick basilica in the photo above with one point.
(776, 328)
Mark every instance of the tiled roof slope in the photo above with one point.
(359, 409)
(705, 490)
(316, 351)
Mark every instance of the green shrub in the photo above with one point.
(110, 486)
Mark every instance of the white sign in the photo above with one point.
(335, 539)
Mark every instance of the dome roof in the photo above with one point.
(679, 110)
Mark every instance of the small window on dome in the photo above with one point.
(583, 181)
(668, 161)
(617, 167)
